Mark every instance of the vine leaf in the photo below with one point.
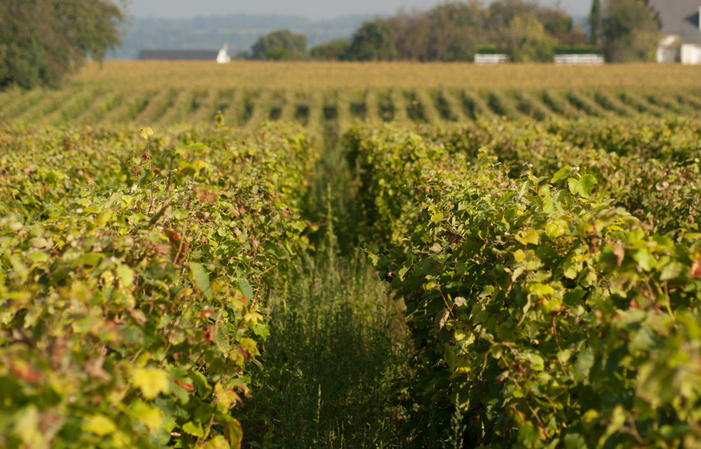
(583, 365)
(246, 288)
(200, 276)
(151, 381)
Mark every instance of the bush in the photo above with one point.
(332, 51)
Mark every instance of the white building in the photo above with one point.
(680, 22)
(223, 56)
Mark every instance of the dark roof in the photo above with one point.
(679, 18)
(179, 55)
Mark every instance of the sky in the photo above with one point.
(313, 9)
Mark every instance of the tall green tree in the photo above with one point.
(279, 46)
(631, 32)
(525, 40)
(374, 41)
(43, 40)
(595, 23)
(456, 26)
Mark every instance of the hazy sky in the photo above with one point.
(315, 9)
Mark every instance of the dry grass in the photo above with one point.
(318, 75)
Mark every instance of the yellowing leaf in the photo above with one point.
(126, 274)
(554, 230)
(149, 416)
(194, 429)
(146, 133)
(99, 425)
(218, 442)
(527, 237)
(103, 218)
(234, 433)
(151, 381)
(696, 269)
(519, 255)
(250, 346)
(227, 398)
(541, 290)
(27, 426)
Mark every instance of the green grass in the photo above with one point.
(335, 359)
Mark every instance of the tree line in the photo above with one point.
(42, 40)
(623, 30)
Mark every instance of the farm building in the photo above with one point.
(680, 23)
(220, 56)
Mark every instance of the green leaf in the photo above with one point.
(672, 271)
(528, 435)
(583, 187)
(437, 218)
(645, 260)
(561, 174)
(588, 183)
(203, 387)
(583, 365)
(575, 441)
(193, 429)
(246, 288)
(201, 278)
(19, 269)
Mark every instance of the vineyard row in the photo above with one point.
(248, 108)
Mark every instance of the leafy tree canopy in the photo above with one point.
(630, 32)
(282, 45)
(43, 40)
(526, 40)
(374, 41)
(454, 30)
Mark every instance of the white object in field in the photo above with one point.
(591, 59)
(491, 59)
(223, 56)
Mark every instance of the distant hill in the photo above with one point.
(239, 31)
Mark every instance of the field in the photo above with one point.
(317, 94)
(352, 255)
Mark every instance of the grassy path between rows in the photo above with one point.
(335, 364)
